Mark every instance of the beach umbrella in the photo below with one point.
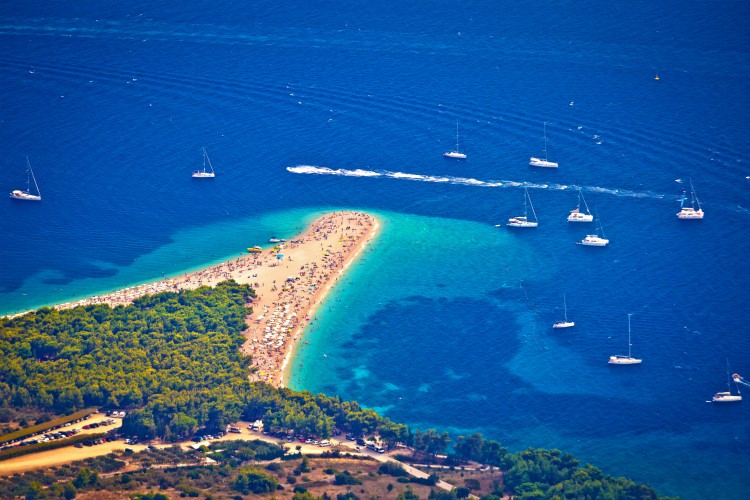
(279, 256)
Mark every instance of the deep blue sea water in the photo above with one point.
(445, 322)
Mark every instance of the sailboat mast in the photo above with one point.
(456, 136)
(629, 335)
(532, 205)
(38, 193)
(693, 198)
(545, 141)
(602, 229)
(565, 307)
(28, 174)
(729, 379)
(580, 193)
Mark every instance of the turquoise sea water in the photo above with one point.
(446, 321)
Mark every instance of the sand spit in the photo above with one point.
(291, 280)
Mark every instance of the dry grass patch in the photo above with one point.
(480, 482)
(322, 476)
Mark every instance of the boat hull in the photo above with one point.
(454, 154)
(594, 241)
(521, 223)
(690, 214)
(579, 217)
(538, 162)
(24, 196)
(564, 324)
(726, 397)
(203, 175)
(624, 360)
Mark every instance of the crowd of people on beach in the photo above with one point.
(290, 280)
(278, 325)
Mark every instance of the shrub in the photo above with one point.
(462, 492)
(347, 496)
(346, 478)
(393, 469)
(252, 480)
(472, 484)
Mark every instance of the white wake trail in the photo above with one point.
(465, 181)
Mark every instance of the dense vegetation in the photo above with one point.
(172, 358)
(174, 361)
(162, 346)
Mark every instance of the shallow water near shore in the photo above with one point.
(446, 320)
(459, 337)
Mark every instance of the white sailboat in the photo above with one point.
(17, 194)
(205, 174)
(543, 162)
(455, 154)
(566, 323)
(594, 240)
(690, 212)
(728, 397)
(576, 215)
(522, 220)
(619, 359)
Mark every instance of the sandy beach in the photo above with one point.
(291, 280)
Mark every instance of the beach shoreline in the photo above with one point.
(291, 280)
